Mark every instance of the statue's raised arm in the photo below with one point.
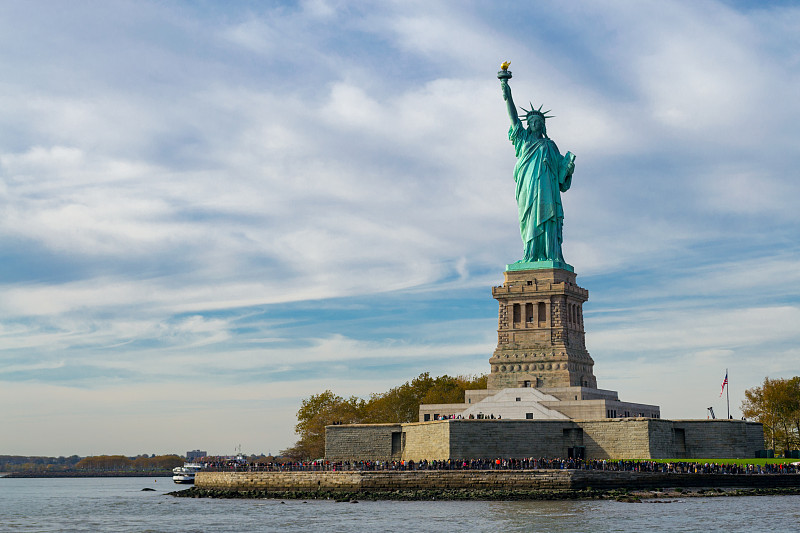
(504, 76)
(541, 175)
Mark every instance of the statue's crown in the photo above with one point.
(530, 113)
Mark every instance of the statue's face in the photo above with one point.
(536, 124)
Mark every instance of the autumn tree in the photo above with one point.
(157, 463)
(776, 404)
(117, 463)
(448, 389)
(399, 404)
(316, 412)
(105, 463)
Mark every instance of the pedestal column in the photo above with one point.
(540, 335)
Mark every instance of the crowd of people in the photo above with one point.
(678, 467)
(479, 416)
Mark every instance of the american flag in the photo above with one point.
(724, 382)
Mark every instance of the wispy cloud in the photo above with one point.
(221, 209)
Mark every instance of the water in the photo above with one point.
(118, 504)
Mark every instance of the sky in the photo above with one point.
(212, 210)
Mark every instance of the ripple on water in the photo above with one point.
(118, 504)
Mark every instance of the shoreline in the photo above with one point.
(671, 495)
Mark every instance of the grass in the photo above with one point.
(750, 461)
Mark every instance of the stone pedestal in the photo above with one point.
(540, 335)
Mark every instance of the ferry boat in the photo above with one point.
(185, 473)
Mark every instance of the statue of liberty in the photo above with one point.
(541, 175)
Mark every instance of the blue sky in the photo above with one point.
(211, 210)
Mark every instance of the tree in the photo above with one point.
(156, 463)
(399, 404)
(105, 463)
(776, 404)
(316, 412)
(451, 390)
(116, 463)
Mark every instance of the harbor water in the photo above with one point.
(120, 504)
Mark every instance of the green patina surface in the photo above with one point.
(541, 175)
(538, 265)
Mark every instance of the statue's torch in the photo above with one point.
(504, 73)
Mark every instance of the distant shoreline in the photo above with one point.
(72, 474)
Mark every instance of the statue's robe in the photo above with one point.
(541, 175)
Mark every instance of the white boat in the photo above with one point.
(185, 473)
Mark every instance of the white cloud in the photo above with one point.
(170, 183)
(254, 35)
(692, 331)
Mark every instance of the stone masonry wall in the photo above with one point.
(385, 480)
(506, 438)
(503, 324)
(616, 438)
(607, 439)
(426, 440)
(360, 441)
(721, 438)
(662, 440)
(478, 479)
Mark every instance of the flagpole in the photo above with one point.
(728, 394)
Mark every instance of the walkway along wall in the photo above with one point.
(618, 438)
